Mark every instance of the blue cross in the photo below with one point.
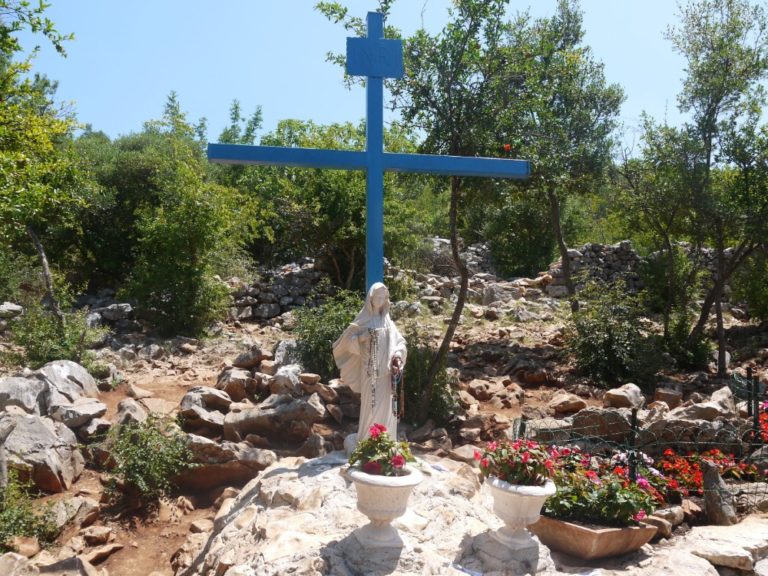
(376, 58)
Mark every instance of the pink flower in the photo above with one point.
(548, 464)
(492, 446)
(478, 455)
(643, 483)
(398, 461)
(376, 430)
(372, 467)
(525, 457)
(639, 516)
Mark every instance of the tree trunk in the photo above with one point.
(439, 358)
(47, 277)
(669, 303)
(554, 215)
(721, 367)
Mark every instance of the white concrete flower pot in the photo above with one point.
(518, 507)
(382, 499)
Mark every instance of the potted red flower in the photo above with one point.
(384, 482)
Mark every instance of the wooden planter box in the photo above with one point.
(590, 543)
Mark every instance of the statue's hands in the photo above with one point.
(397, 364)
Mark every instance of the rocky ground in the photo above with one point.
(245, 411)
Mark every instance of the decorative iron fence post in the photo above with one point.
(755, 385)
(751, 391)
(632, 455)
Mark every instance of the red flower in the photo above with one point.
(525, 457)
(398, 461)
(372, 467)
(478, 455)
(484, 463)
(376, 430)
(507, 147)
(640, 515)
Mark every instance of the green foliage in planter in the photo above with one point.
(18, 516)
(147, 457)
(318, 328)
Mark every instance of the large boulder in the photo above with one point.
(280, 417)
(69, 379)
(29, 394)
(10, 310)
(222, 463)
(720, 405)
(44, 451)
(566, 403)
(626, 396)
(610, 424)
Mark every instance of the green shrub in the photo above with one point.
(147, 457)
(443, 404)
(18, 516)
(318, 328)
(606, 339)
(42, 339)
(750, 285)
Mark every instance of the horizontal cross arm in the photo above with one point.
(280, 156)
(457, 165)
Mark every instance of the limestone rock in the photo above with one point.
(566, 403)
(280, 416)
(222, 463)
(286, 380)
(12, 564)
(719, 503)
(251, 358)
(738, 546)
(29, 394)
(673, 397)
(238, 383)
(10, 310)
(626, 396)
(45, 451)
(94, 429)
(129, 412)
(138, 393)
(299, 517)
(79, 413)
(69, 379)
(205, 407)
(608, 423)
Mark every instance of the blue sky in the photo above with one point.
(128, 56)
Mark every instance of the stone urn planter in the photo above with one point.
(382, 499)
(591, 543)
(518, 507)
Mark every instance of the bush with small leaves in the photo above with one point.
(318, 328)
(18, 516)
(606, 338)
(147, 457)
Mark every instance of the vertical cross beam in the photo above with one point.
(375, 58)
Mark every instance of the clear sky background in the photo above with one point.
(128, 56)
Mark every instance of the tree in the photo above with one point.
(560, 111)
(319, 211)
(725, 47)
(40, 181)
